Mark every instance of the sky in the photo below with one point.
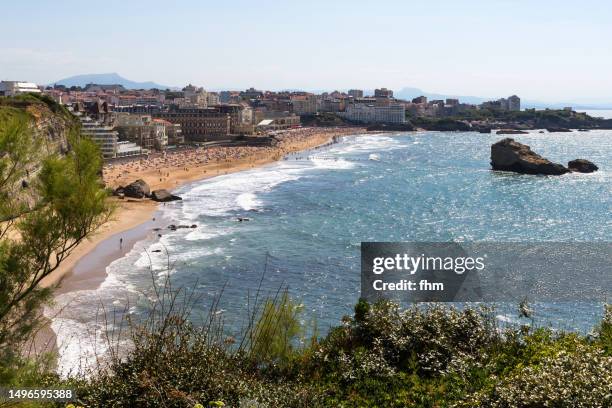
(542, 50)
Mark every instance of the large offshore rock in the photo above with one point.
(510, 155)
(163, 195)
(582, 166)
(137, 189)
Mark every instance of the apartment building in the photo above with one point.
(356, 93)
(383, 93)
(362, 113)
(104, 136)
(304, 104)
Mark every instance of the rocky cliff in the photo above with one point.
(51, 122)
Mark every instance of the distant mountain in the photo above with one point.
(108, 79)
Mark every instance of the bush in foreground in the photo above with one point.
(382, 356)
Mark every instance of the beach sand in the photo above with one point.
(132, 220)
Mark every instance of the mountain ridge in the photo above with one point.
(111, 78)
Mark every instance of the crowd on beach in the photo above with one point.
(162, 163)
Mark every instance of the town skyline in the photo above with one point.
(407, 92)
(546, 51)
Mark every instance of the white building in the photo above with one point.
(394, 113)
(126, 149)
(104, 136)
(12, 88)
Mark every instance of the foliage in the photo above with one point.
(172, 363)
(428, 356)
(277, 331)
(49, 203)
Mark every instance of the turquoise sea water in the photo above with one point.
(309, 213)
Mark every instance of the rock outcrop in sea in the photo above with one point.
(511, 132)
(163, 196)
(136, 189)
(582, 166)
(510, 155)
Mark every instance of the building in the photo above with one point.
(514, 103)
(104, 136)
(278, 121)
(174, 133)
(251, 93)
(241, 117)
(212, 98)
(12, 88)
(355, 93)
(304, 104)
(452, 102)
(383, 93)
(420, 100)
(126, 149)
(142, 130)
(199, 124)
(362, 113)
(332, 105)
(195, 97)
(115, 88)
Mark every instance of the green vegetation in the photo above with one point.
(49, 203)
(382, 356)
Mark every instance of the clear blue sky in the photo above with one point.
(545, 50)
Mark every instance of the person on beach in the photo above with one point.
(121, 243)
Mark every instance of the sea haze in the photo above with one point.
(309, 213)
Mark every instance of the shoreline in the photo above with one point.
(133, 219)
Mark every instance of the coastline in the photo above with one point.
(130, 213)
(133, 219)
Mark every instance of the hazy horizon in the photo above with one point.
(547, 51)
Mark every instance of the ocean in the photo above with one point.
(309, 213)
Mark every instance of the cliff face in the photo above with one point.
(51, 122)
(50, 125)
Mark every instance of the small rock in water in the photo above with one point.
(582, 166)
(164, 196)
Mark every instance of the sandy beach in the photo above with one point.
(133, 219)
(171, 170)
